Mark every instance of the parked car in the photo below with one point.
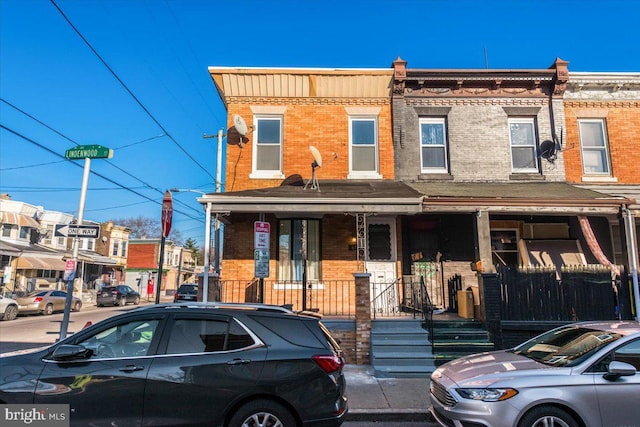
(46, 302)
(212, 364)
(117, 295)
(582, 374)
(8, 308)
(186, 292)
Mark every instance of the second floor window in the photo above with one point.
(522, 135)
(363, 145)
(124, 249)
(433, 145)
(267, 154)
(594, 145)
(116, 248)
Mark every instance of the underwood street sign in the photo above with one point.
(66, 230)
(88, 152)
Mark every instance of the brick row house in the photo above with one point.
(424, 173)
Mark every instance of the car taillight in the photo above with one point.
(37, 299)
(329, 364)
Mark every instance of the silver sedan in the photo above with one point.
(581, 374)
(46, 302)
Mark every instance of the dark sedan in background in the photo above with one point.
(186, 292)
(117, 295)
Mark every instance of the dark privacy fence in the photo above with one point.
(576, 293)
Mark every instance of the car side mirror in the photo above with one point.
(619, 369)
(67, 352)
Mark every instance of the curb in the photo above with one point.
(372, 415)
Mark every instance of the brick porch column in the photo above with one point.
(363, 318)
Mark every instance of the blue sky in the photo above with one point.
(131, 75)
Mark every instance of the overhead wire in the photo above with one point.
(126, 88)
(106, 178)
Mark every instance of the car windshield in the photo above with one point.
(188, 289)
(566, 346)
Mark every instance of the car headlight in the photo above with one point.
(487, 394)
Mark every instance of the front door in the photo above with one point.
(381, 264)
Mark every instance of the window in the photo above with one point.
(363, 146)
(207, 335)
(292, 235)
(130, 339)
(267, 151)
(87, 244)
(48, 239)
(504, 247)
(25, 233)
(522, 135)
(433, 145)
(595, 150)
(116, 245)
(7, 229)
(124, 249)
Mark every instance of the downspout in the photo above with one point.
(633, 257)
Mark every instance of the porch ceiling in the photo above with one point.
(388, 197)
(537, 197)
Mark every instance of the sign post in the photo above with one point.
(167, 217)
(261, 238)
(86, 153)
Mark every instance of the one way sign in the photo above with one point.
(66, 230)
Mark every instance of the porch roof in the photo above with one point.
(536, 197)
(332, 197)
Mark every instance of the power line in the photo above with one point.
(92, 172)
(140, 104)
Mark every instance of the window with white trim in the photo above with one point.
(363, 146)
(433, 145)
(594, 146)
(522, 136)
(267, 149)
(293, 235)
(115, 248)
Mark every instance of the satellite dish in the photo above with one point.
(317, 162)
(317, 157)
(547, 150)
(240, 124)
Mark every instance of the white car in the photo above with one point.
(578, 375)
(8, 308)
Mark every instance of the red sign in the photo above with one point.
(167, 213)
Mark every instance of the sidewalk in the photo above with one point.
(385, 399)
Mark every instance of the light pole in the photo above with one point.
(207, 246)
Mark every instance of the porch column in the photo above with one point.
(483, 232)
(363, 318)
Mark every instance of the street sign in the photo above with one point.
(88, 152)
(69, 270)
(261, 257)
(67, 230)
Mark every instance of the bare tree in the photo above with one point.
(149, 228)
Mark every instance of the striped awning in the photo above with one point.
(19, 219)
(40, 262)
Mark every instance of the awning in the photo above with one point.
(95, 258)
(7, 249)
(546, 253)
(19, 219)
(40, 262)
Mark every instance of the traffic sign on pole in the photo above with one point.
(88, 152)
(70, 230)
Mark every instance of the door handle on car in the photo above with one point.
(131, 368)
(238, 362)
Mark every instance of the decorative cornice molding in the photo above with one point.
(440, 102)
(306, 101)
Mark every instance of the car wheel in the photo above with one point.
(77, 306)
(136, 301)
(262, 413)
(123, 302)
(48, 310)
(547, 416)
(10, 313)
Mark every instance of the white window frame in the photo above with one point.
(115, 247)
(444, 146)
(372, 174)
(603, 151)
(265, 173)
(533, 146)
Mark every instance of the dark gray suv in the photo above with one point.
(214, 364)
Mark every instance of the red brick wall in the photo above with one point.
(623, 127)
(307, 122)
(143, 255)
